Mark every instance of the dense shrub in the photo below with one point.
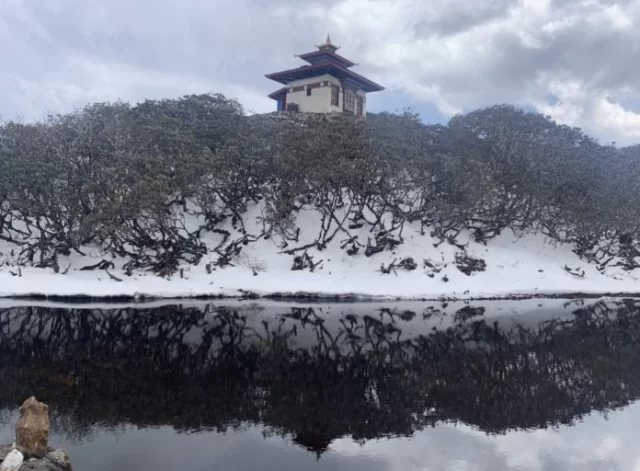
(130, 180)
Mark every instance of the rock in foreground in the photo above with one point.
(31, 452)
(32, 429)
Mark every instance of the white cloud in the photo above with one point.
(582, 49)
(102, 81)
(577, 105)
(597, 442)
(572, 59)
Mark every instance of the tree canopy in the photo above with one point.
(128, 179)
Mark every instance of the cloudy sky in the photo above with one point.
(575, 60)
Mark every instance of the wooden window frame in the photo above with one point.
(335, 96)
(349, 99)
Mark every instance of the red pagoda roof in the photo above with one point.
(308, 71)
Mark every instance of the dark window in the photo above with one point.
(359, 106)
(335, 96)
(308, 92)
(350, 101)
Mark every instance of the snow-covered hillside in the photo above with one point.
(508, 265)
(191, 197)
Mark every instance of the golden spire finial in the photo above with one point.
(328, 44)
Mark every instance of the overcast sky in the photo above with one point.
(576, 60)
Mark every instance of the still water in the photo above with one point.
(522, 385)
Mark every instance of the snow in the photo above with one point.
(515, 266)
(12, 462)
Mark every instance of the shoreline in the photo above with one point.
(513, 268)
(310, 297)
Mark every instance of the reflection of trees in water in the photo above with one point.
(215, 368)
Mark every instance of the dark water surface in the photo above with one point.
(528, 385)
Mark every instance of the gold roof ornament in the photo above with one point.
(328, 44)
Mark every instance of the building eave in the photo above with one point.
(307, 71)
(275, 95)
(337, 57)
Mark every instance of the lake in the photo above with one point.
(522, 385)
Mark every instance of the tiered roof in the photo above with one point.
(321, 62)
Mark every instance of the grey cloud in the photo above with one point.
(573, 42)
(576, 5)
(62, 54)
(232, 39)
(600, 58)
(233, 43)
(453, 17)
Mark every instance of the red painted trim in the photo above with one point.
(300, 88)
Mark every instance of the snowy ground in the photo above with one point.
(526, 266)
